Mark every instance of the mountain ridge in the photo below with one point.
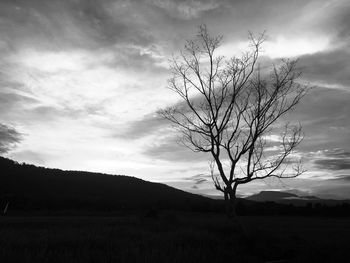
(30, 187)
(282, 197)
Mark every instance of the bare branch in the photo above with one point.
(229, 106)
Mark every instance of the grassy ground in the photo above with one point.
(172, 237)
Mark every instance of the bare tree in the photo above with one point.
(229, 106)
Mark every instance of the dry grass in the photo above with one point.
(172, 238)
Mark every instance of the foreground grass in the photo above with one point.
(173, 237)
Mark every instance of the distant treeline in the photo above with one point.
(30, 189)
(310, 209)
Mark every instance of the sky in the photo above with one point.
(81, 82)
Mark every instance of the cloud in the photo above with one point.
(149, 125)
(331, 159)
(200, 181)
(330, 67)
(339, 19)
(65, 24)
(198, 178)
(336, 153)
(323, 114)
(85, 24)
(12, 99)
(333, 164)
(169, 148)
(9, 137)
(342, 177)
(74, 71)
(186, 9)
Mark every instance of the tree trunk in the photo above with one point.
(231, 201)
(233, 204)
(228, 206)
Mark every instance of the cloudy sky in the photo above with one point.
(81, 81)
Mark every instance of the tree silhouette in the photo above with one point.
(229, 106)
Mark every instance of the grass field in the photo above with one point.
(173, 237)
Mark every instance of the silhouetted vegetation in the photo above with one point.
(31, 188)
(131, 220)
(309, 209)
(180, 237)
(37, 190)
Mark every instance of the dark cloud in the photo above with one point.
(342, 177)
(324, 115)
(337, 153)
(71, 24)
(186, 10)
(28, 109)
(15, 98)
(331, 159)
(198, 178)
(331, 67)
(200, 181)
(150, 124)
(333, 164)
(9, 137)
(84, 23)
(341, 22)
(170, 149)
(8, 99)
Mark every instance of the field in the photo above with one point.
(173, 237)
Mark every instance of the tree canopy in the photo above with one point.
(229, 107)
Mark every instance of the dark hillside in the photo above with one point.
(293, 199)
(28, 187)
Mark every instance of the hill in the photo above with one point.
(274, 196)
(294, 199)
(31, 188)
